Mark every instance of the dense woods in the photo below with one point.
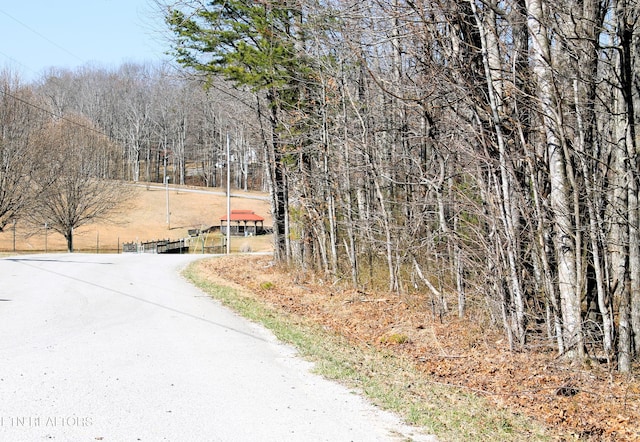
(485, 149)
(483, 154)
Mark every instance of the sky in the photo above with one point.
(39, 34)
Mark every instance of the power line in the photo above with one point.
(17, 61)
(44, 37)
(61, 117)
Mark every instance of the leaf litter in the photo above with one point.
(587, 402)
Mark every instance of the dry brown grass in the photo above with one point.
(145, 219)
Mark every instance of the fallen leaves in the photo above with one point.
(589, 403)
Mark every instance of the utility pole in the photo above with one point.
(228, 196)
(166, 186)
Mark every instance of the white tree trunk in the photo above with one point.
(492, 67)
(561, 204)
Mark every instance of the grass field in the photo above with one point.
(144, 218)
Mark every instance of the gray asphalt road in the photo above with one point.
(184, 189)
(121, 348)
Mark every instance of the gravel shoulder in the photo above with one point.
(122, 348)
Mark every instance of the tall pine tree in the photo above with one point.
(255, 45)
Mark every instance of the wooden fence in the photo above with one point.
(162, 246)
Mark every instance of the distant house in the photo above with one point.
(243, 223)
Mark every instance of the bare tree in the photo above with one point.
(69, 187)
(18, 118)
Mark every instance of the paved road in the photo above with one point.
(205, 190)
(121, 348)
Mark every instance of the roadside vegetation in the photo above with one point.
(389, 380)
(452, 376)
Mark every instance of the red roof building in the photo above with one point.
(243, 223)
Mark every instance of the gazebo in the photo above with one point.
(243, 223)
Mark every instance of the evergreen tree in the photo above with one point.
(255, 45)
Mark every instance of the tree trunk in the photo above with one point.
(350, 246)
(69, 237)
(385, 221)
(492, 70)
(626, 200)
(275, 172)
(586, 35)
(561, 204)
(629, 40)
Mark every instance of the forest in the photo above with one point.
(481, 153)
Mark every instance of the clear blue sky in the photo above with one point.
(38, 34)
